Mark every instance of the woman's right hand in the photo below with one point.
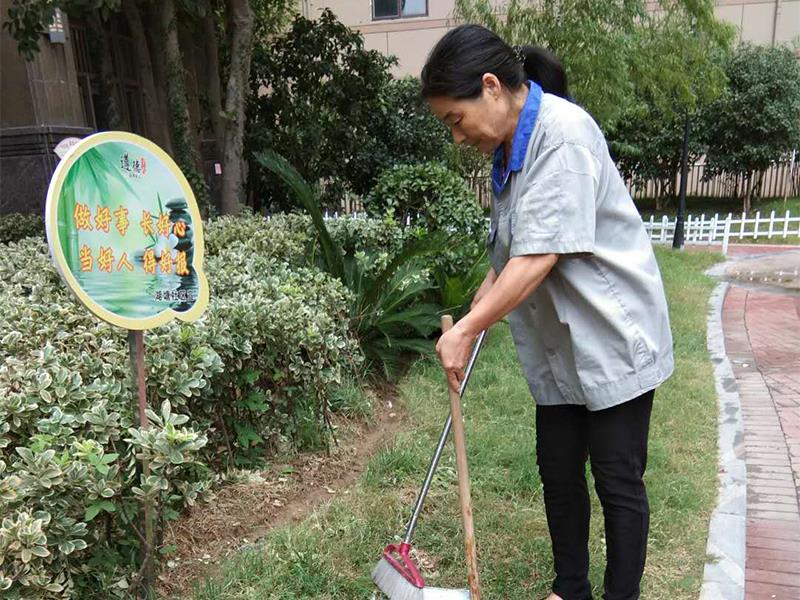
(484, 288)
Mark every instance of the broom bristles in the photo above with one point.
(396, 587)
(393, 584)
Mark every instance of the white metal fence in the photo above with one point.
(722, 229)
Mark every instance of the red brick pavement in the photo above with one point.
(762, 340)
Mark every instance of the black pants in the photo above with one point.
(615, 440)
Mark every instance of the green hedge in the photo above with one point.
(253, 374)
(259, 372)
(15, 227)
(285, 237)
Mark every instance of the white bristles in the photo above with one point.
(393, 584)
(397, 587)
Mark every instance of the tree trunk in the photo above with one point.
(186, 42)
(754, 192)
(214, 80)
(240, 17)
(185, 149)
(101, 54)
(156, 127)
(746, 195)
(659, 194)
(183, 139)
(155, 42)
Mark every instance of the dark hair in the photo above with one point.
(456, 65)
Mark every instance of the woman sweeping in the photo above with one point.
(573, 268)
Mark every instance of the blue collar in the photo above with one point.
(519, 145)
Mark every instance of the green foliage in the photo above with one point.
(467, 161)
(387, 318)
(614, 51)
(286, 238)
(351, 399)
(323, 92)
(431, 191)
(648, 146)
(307, 199)
(408, 128)
(647, 140)
(755, 123)
(271, 17)
(332, 108)
(444, 203)
(26, 19)
(16, 226)
(283, 333)
(457, 288)
(678, 65)
(252, 375)
(202, 193)
(374, 242)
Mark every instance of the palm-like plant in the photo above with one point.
(387, 316)
(456, 291)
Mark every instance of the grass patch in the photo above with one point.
(723, 206)
(330, 554)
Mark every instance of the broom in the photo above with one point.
(396, 575)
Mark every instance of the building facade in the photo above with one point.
(40, 104)
(408, 29)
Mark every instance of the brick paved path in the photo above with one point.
(762, 340)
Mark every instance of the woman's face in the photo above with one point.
(481, 122)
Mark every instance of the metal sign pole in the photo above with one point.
(147, 572)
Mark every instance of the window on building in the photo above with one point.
(397, 9)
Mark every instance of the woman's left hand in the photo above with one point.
(454, 349)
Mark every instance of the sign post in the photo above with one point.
(136, 349)
(126, 235)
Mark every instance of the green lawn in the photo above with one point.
(710, 206)
(331, 553)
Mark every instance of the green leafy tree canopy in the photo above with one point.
(333, 110)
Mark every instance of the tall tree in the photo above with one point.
(211, 43)
(240, 18)
(757, 121)
(184, 143)
(606, 46)
(100, 49)
(333, 110)
(679, 70)
(155, 118)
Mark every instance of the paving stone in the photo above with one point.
(761, 331)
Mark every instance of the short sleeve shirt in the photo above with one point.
(596, 331)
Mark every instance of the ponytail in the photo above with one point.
(543, 67)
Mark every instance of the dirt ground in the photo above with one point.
(242, 513)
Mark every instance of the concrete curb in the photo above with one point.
(724, 572)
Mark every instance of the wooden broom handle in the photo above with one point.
(463, 484)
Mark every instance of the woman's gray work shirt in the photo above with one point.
(596, 331)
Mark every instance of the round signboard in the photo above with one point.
(125, 232)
